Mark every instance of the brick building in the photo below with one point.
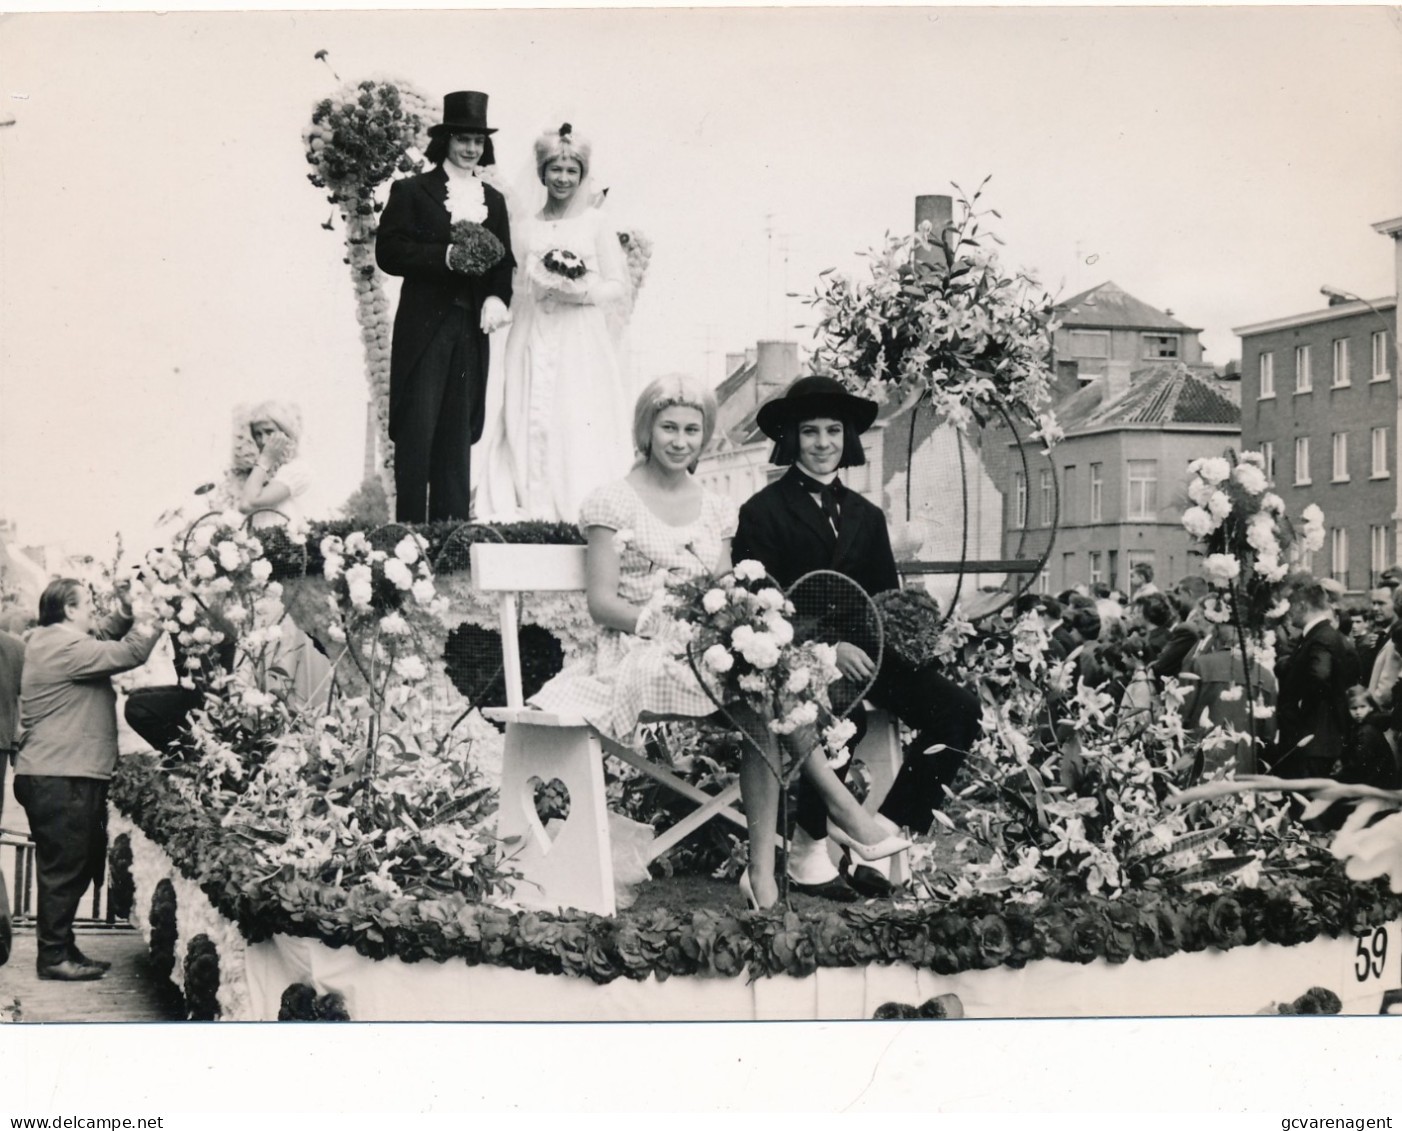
(1122, 471)
(1320, 400)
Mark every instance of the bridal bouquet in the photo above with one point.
(742, 649)
(474, 250)
(567, 264)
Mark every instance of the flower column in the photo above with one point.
(357, 140)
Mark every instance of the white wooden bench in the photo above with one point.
(574, 868)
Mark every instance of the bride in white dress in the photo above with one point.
(564, 423)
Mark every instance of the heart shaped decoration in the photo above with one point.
(827, 607)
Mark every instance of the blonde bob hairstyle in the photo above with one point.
(287, 417)
(669, 392)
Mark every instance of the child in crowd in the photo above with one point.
(1368, 756)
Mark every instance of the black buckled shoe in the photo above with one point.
(869, 882)
(70, 971)
(835, 889)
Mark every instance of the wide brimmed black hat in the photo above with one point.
(811, 397)
(464, 111)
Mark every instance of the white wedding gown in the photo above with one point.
(565, 425)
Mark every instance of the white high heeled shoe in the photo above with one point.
(878, 851)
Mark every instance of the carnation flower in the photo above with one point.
(1260, 534)
(1263, 711)
(204, 568)
(1251, 478)
(261, 570)
(359, 582)
(1313, 515)
(1255, 459)
(713, 601)
(1199, 490)
(229, 556)
(332, 546)
(236, 614)
(1271, 567)
(399, 574)
(749, 570)
(839, 734)
(407, 551)
(422, 590)
(779, 628)
(394, 625)
(771, 599)
(188, 611)
(336, 632)
(411, 668)
(201, 537)
(798, 680)
(718, 658)
(1215, 469)
(1273, 503)
(1221, 568)
(760, 649)
(357, 543)
(1219, 505)
(1198, 522)
(201, 635)
(754, 683)
(331, 568)
(1231, 694)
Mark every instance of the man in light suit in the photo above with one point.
(68, 709)
(808, 520)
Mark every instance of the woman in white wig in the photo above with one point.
(278, 479)
(563, 428)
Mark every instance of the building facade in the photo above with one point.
(1319, 400)
(1116, 487)
(1106, 334)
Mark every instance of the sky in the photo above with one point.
(162, 256)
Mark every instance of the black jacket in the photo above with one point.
(1314, 683)
(784, 528)
(412, 241)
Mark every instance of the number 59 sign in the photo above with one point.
(1370, 955)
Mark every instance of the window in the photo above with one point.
(1340, 362)
(1268, 455)
(1143, 488)
(1379, 355)
(1338, 555)
(1048, 497)
(1159, 346)
(1019, 500)
(1044, 583)
(1068, 492)
(1068, 570)
(1303, 382)
(1097, 573)
(1380, 460)
(1267, 371)
(1306, 560)
(1097, 493)
(1090, 343)
(1302, 460)
(1340, 457)
(1377, 554)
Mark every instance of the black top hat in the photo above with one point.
(811, 397)
(464, 111)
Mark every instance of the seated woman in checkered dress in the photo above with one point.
(659, 522)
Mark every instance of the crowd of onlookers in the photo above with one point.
(1325, 708)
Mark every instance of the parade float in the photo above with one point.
(335, 852)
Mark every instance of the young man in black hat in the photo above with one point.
(805, 521)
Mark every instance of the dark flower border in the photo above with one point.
(977, 933)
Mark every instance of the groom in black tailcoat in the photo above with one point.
(808, 520)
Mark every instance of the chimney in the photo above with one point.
(778, 366)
